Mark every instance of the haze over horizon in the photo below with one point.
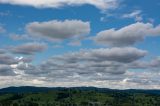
(68, 43)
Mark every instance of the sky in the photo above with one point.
(69, 43)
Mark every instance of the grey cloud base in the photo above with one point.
(127, 35)
(86, 63)
(7, 59)
(29, 48)
(58, 30)
(6, 70)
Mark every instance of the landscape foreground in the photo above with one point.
(77, 96)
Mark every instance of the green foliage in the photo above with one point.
(80, 98)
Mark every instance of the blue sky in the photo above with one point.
(103, 43)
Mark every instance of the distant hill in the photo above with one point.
(25, 89)
(32, 89)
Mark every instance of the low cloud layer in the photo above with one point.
(85, 64)
(100, 74)
(58, 30)
(101, 4)
(99, 67)
(127, 35)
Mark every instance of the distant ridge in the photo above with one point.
(27, 89)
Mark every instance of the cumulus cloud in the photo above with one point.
(152, 65)
(66, 76)
(127, 54)
(24, 59)
(87, 62)
(28, 48)
(155, 63)
(127, 35)
(7, 59)
(58, 30)
(104, 67)
(142, 80)
(101, 4)
(87, 68)
(26, 67)
(6, 70)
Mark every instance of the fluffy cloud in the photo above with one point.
(153, 65)
(28, 48)
(54, 74)
(155, 62)
(6, 70)
(101, 4)
(127, 35)
(127, 54)
(87, 68)
(7, 59)
(87, 62)
(58, 30)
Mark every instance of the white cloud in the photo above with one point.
(127, 35)
(124, 55)
(6, 70)
(85, 63)
(95, 67)
(86, 67)
(7, 59)
(20, 37)
(136, 14)
(29, 48)
(133, 14)
(101, 4)
(58, 30)
(131, 80)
